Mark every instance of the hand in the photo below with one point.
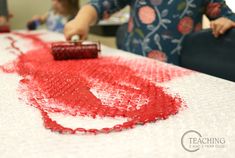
(221, 25)
(76, 27)
(3, 20)
(35, 18)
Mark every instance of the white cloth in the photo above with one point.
(210, 111)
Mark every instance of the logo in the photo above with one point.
(193, 141)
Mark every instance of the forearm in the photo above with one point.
(87, 14)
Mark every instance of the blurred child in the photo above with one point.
(156, 28)
(61, 12)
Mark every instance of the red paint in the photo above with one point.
(74, 50)
(13, 44)
(5, 29)
(65, 87)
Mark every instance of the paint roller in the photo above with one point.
(75, 49)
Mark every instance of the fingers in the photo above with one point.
(68, 33)
(72, 29)
(224, 28)
(220, 26)
(69, 36)
(213, 27)
(83, 37)
(216, 28)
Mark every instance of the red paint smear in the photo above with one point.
(13, 44)
(65, 87)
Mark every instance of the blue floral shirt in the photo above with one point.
(156, 28)
(56, 22)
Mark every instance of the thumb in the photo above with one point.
(68, 34)
(83, 37)
(67, 37)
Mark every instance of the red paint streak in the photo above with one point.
(67, 87)
(13, 44)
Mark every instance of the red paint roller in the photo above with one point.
(75, 50)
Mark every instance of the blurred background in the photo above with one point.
(23, 10)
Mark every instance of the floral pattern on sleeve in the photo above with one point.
(156, 28)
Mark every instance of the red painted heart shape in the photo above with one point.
(104, 87)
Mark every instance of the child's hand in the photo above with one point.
(80, 25)
(41, 18)
(3, 20)
(221, 25)
(76, 27)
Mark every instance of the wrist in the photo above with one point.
(87, 15)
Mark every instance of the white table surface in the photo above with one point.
(210, 111)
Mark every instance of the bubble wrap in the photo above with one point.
(210, 110)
